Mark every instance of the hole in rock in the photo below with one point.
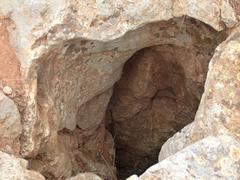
(157, 95)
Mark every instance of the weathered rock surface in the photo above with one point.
(210, 158)
(62, 58)
(12, 168)
(85, 176)
(10, 125)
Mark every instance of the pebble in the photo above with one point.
(7, 90)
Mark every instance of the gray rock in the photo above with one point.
(10, 125)
(12, 168)
(210, 158)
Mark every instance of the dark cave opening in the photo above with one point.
(157, 95)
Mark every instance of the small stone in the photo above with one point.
(7, 90)
(23, 162)
(85, 176)
(133, 177)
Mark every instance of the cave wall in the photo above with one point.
(157, 95)
(209, 146)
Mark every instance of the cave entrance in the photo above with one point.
(157, 95)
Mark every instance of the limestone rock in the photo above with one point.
(85, 176)
(209, 158)
(92, 113)
(54, 37)
(12, 168)
(10, 125)
(61, 59)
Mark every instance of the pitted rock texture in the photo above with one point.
(210, 158)
(12, 168)
(65, 57)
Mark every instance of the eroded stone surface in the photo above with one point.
(209, 158)
(85, 176)
(62, 96)
(66, 53)
(10, 125)
(10, 73)
(12, 168)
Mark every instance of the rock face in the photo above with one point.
(59, 60)
(10, 125)
(15, 169)
(212, 157)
